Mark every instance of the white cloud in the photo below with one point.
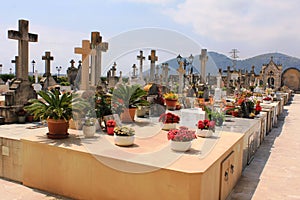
(239, 20)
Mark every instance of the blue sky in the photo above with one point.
(253, 27)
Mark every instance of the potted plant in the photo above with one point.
(169, 120)
(102, 106)
(171, 100)
(181, 139)
(89, 127)
(124, 136)
(206, 128)
(126, 99)
(110, 126)
(218, 117)
(57, 109)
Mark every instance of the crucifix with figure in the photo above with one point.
(23, 37)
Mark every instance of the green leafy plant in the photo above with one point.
(128, 96)
(55, 105)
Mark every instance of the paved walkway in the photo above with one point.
(275, 171)
(10, 190)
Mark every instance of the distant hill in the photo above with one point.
(217, 60)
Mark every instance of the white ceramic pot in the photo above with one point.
(124, 140)
(169, 126)
(89, 131)
(204, 133)
(180, 146)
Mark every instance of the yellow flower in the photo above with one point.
(171, 95)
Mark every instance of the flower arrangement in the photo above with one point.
(167, 118)
(183, 134)
(267, 98)
(206, 124)
(171, 96)
(110, 123)
(88, 121)
(124, 131)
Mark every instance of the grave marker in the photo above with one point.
(23, 37)
(203, 59)
(97, 47)
(47, 79)
(152, 57)
(85, 51)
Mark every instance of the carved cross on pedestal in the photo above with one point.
(152, 57)
(23, 37)
(16, 62)
(141, 58)
(47, 57)
(84, 51)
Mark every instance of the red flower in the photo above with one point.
(206, 124)
(167, 118)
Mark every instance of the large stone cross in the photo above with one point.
(152, 57)
(141, 58)
(23, 37)
(97, 47)
(85, 52)
(47, 57)
(203, 58)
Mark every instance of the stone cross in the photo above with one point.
(141, 58)
(152, 57)
(16, 62)
(72, 63)
(165, 69)
(85, 51)
(134, 71)
(203, 59)
(97, 47)
(23, 37)
(181, 73)
(114, 69)
(47, 57)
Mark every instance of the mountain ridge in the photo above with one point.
(217, 60)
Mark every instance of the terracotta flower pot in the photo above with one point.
(58, 129)
(128, 115)
(171, 104)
